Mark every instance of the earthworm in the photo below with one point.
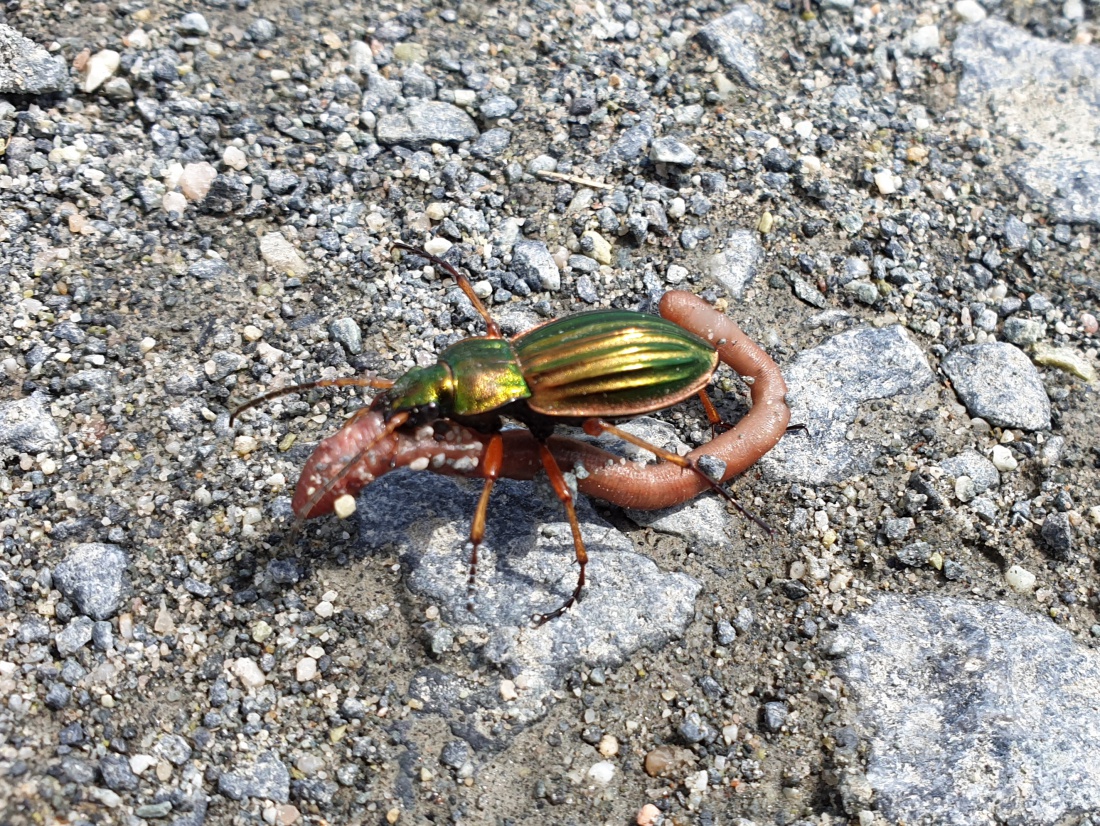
(362, 451)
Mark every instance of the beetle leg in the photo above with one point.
(561, 488)
(348, 381)
(492, 329)
(717, 423)
(595, 427)
(491, 460)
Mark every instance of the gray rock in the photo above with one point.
(454, 754)
(174, 749)
(207, 269)
(93, 578)
(33, 629)
(847, 96)
(774, 715)
(492, 143)
(727, 39)
(526, 567)
(724, 633)
(498, 106)
(632, 143)
(74, 636)
(670, 150)
(1015, 233)
(1023, 331)
(898, 528)
(27, 426)
(949, 682)
(1019, 82)
(262, 30)
(998, 383)
(915, 554)
(736, 265)
(346, 332)
(693, 730)
(532, 262)
(28, 69)
(982, 472)
(426, 122)
(117, 774)
(826, 385)
(266, 778)
(1057, 535)
(193, 24)
(281, 181)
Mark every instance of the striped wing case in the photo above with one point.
(611, 363)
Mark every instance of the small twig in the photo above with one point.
(575, 179)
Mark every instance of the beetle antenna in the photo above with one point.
(350, 381)
(492, 328)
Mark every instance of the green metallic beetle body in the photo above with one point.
(611, 364)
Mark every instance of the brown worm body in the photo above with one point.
(340, 463)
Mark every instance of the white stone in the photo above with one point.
(970, 11)
(437, 245)
(234, 158)
(173, 202)
(140, 763)
(361, 57)
(248, 672)
(925, 41)
(344, 506)
(886, 183)
(508, 690)
(1020, 579)
(138, 39)
(280, 255)
(601, 249)
(609, 745)
(675, 273)
(1073, 10)
(196, 179)
(603, 772)
(697, 781)
(1003, 459)
(964, 489)
(99, 68)
(306, 669)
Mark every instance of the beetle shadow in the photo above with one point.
(527, 567)
(526, 563)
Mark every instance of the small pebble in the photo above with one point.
(1003, 459)
(1020, 580)
(602, 773)
(306, 670)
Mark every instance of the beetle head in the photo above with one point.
(426, 393)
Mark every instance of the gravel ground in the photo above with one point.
(899, 202)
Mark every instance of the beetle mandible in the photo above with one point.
(582, 370)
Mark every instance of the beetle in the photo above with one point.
(589, 369)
